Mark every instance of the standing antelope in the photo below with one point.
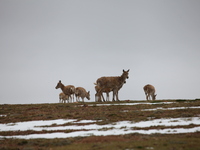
(149, 90)
(114, 83)
(63, 98)
(67, 90)
(81, 92)
(99, 95)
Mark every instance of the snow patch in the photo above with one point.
(117, 128)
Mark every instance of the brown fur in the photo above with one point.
(81, 92)
(149, 90)
(63, 97)
(114, 83)
(67, 90)
(98, 97)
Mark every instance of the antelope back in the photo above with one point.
(149, 89)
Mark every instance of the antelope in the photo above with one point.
(67, 90)
(63, 98)
(98, 97)
(106, 90)
(81, 92)
(149, 90)
(114, 83)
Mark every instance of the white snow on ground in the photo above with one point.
(103, 133)
(147, 103)
(118, 128)
(173, 108)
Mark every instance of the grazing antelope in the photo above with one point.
(63, 98)
(149, 90)
(114, 83)
(81, 92)
(67, 90)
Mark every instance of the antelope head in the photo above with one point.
(59, 85)
(125, 74)
(154, 97)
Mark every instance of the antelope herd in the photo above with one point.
(102, 85)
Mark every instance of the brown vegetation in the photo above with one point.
(107, 115)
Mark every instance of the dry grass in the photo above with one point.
(108, 114)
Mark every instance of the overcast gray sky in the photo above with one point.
(78, 41)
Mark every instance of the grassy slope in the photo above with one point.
(107, 114)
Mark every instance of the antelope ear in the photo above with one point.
(88, 92)
(128, 70)
(123, 70)
(59, 80)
